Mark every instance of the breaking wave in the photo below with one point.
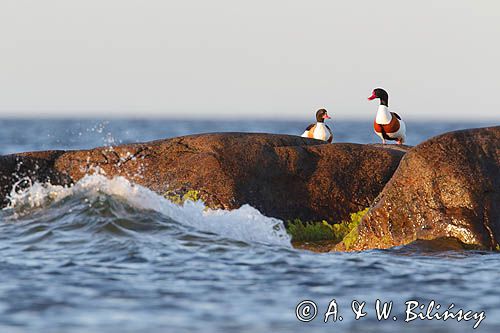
(117, 200)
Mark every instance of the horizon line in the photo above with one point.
(219, 117)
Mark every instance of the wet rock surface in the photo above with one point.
(21, 170)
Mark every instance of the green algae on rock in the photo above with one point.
(323, 231)
(180, 198)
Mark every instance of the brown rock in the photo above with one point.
(448, 186)
(282, 176)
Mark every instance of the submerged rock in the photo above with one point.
(283, 176)
(448, 186)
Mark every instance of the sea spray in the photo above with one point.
(244, 224)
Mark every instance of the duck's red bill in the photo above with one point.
(372, 97)
(327, 117)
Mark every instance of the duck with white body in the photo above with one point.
(320, 130)
(387, 125)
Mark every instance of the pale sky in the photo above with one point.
(281, 59)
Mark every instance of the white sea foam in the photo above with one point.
(245, 224)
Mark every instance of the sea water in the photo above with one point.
(107, 255)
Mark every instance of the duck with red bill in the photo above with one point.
(320, 130)
(387, 125)
(372, 97)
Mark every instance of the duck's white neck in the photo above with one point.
(383, 115)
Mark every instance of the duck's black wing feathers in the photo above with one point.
(309, 127)
(396, 115)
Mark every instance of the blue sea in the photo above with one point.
(109, 256)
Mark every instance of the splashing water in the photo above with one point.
(244, 224)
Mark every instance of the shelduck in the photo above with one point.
(387, 125)
(319, 130)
